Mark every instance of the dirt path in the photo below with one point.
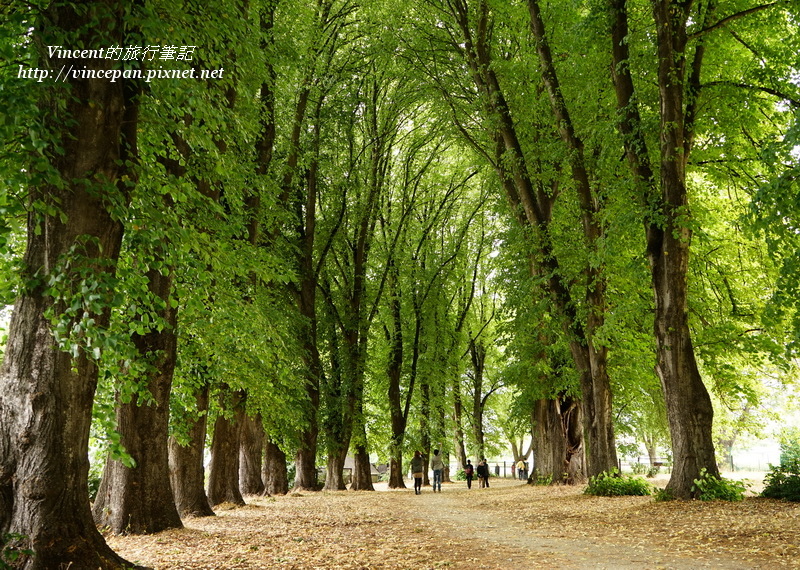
(520, 544)
(510, 525)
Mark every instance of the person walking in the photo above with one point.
(483, 473)
(469, 471)
(521, 469)
(417, 465)
(438, 466)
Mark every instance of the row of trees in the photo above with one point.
(379, 219)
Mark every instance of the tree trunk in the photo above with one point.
(478, 355)
(251, 450)
(394, 373)
(334, 472)
(596, 404)
(396, 479)
(362, 472)
(138, 499)
(589, 358)
(276, 478)
(339, 408)
(305, 460)
(458, 434)
(306, 457)
(186, 464)
(689, 409)
(557, 441)
(46, 396)
(223, 476)
(424, 427)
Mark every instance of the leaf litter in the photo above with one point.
(509, 524)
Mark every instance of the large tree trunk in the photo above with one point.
(557, 441)
(590, 359)
(251, 450)
(186, 464)
(362, 472)
(689, 407)
(223, 476)
(46, 395)
(424, 427)
(138, 499)
(334, 472)
(394, 373)
(276, 478)
(338, 417)
(478, 356)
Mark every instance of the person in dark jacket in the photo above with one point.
(483, 473)
(469, 471)
(417, 466)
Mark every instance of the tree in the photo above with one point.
(684, 33)
(77, 199)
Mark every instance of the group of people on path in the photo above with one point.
(418, 466)
(482, 472)
(437, 465)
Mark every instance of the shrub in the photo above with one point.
(711, 488)
(612, 484)
(663, 495)
(638, 468)
(460, 475)
(783, 481)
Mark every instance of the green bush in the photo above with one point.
(783, 481)
(460, 475)
(710, 488)
(612, 484)
(638, 468)
(663, 495)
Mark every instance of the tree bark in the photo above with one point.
(223, 476)
(46, 395)
(533, 204)
(186, 464)
(394, 373)
(590, 359)
(478, 355)
(689, 409)
(138, 499)
(458, 434)
(276, 478)
(557, 444)
(362, 472)
(251, 451)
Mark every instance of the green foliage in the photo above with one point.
(783, 481)
(710, 488)
(638, 468)
(10, 555)
(663, 495)
(542, 480)
(613, 484)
